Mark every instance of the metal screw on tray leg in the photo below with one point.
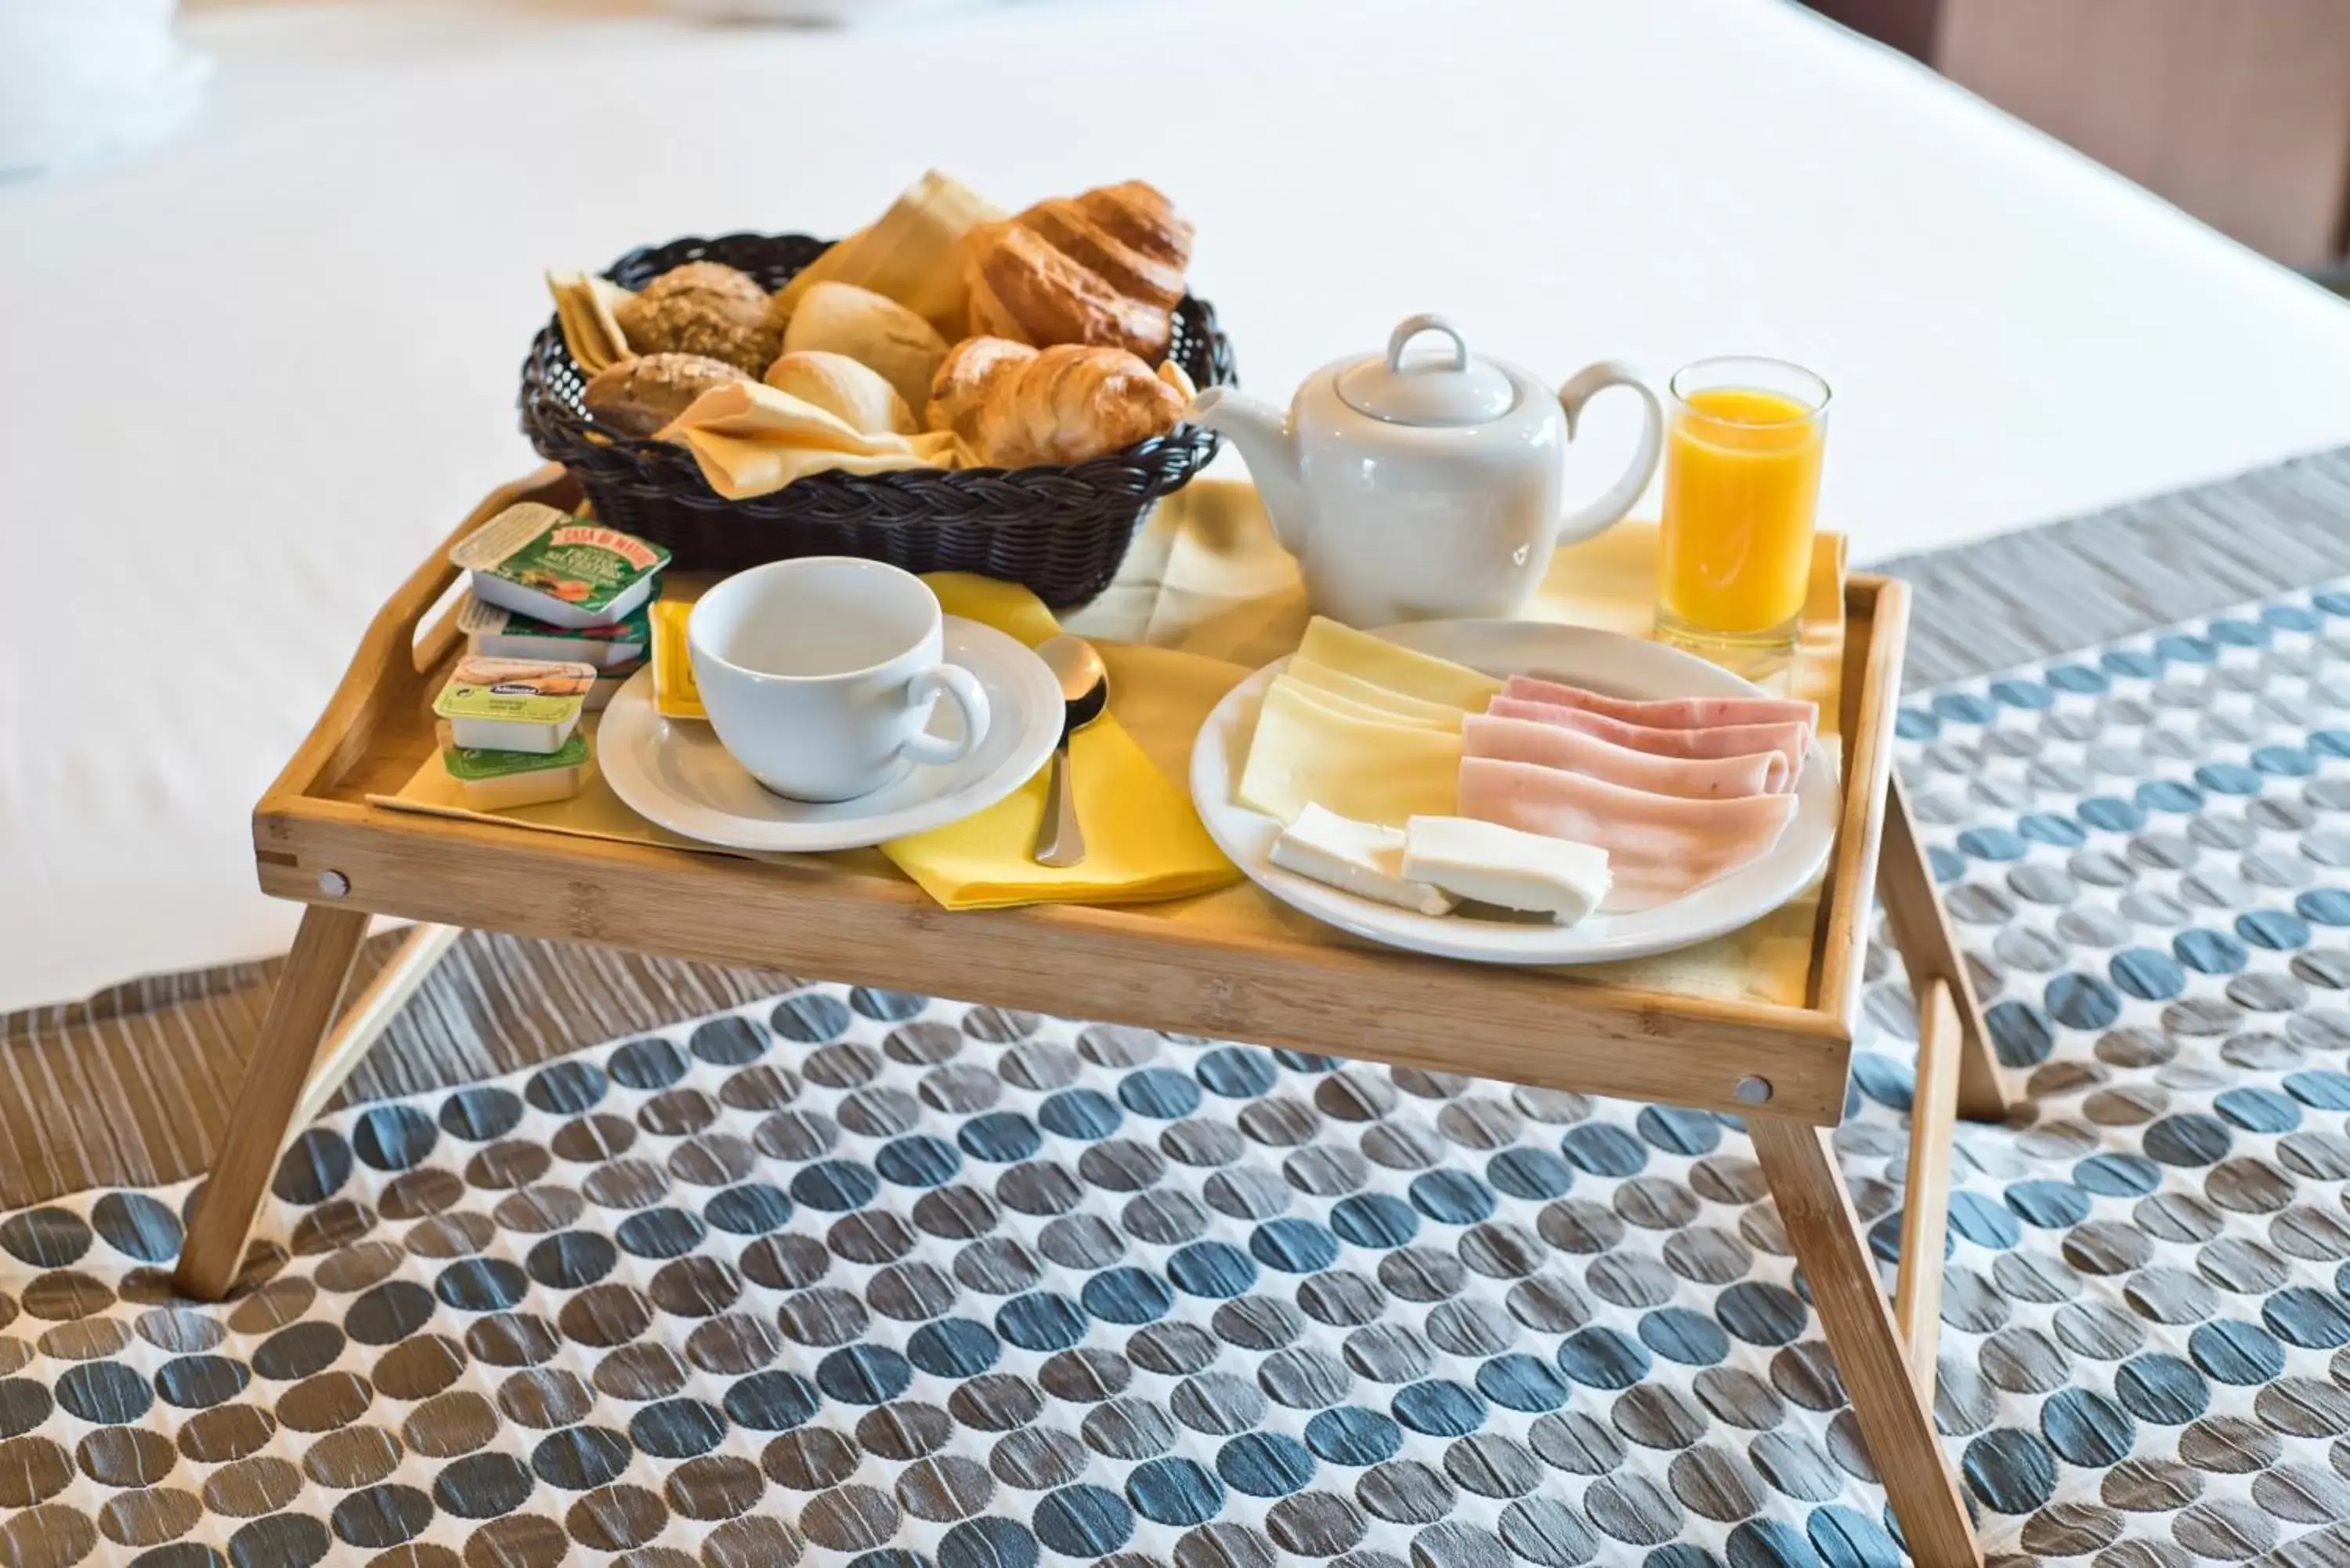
(334, 884)
(1754, 1091)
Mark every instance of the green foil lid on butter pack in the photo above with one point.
(500, 781)
(552, 566)
(477, 764)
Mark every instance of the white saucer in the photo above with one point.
(1603, 661)
(673, 772)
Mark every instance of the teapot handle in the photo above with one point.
(1621, 495)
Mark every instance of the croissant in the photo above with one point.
(1058, 405)
(1141, 215)
(1104, 267)
(965, 377)
(1127, 234)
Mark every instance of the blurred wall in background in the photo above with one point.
(2237, 111)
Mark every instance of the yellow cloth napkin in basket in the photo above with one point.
(583, 306)
(1143, 840)
(751, 438)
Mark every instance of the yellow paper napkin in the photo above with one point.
(751, 438)
(1143, 840)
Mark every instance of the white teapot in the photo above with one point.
(1429, 488)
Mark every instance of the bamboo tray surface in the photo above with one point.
(1232, 963)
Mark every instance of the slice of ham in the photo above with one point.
(1558, 746)
(1670, 713)
(1789, 739)
(1659, 847)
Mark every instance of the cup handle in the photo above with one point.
(961, 687)
(1619, 496)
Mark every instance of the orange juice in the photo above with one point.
(1742, 487)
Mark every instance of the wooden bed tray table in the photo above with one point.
(1227, 964)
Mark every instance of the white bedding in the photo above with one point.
(246, 381)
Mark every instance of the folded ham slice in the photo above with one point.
(1691, 778)
(1659, 847)
(1789, 739)
(1670, 713)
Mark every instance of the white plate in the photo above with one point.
(1603, 661)
(673, 772)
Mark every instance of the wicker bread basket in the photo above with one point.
(1062, 531)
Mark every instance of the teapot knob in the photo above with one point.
(1447, 392)
(1412, 327)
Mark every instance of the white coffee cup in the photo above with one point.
(819, 675)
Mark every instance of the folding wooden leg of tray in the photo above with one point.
(1228, 964)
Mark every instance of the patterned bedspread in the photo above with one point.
(846, 1277)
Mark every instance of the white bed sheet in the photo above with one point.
(249, 378)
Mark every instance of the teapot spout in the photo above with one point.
(1268, 444)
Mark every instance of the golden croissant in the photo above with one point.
(1127, 234)
(965, 377)
(1105, 267)
(1015, 406)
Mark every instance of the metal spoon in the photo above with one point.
(1085, 693)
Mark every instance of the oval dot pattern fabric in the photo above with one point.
(861, 1280)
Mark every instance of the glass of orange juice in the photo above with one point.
(1741, 492)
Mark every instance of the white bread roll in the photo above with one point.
(874, 331)
(840, 385)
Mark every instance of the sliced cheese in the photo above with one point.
(1354, 708)
(1307, 753)
(1383, 664)
(1339, 683)
(1492, 864)
(1358, 857)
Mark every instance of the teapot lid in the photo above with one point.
(1446, 391)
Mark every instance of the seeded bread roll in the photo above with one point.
(706, 308)
(638, 397)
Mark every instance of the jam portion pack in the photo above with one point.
(570, 572)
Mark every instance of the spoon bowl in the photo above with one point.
(1078, 665)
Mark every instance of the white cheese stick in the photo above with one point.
(1497, 864)
(1358, 857)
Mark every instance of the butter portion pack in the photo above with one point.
(514, 704)
(500, 781)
